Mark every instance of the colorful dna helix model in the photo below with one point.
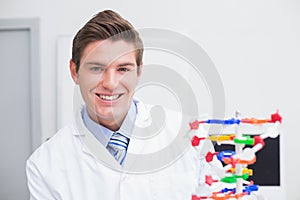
(234, 169)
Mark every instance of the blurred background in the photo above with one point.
(254, 45)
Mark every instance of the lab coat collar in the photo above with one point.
(91, 146)
(143, 118)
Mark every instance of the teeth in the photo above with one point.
(109, 98)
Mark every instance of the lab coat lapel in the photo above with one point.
(143, 119)
(92, 146)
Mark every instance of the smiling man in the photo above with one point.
(107, 77)
(99, 155)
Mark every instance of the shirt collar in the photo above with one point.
(104, 134)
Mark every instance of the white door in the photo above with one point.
(17, 139)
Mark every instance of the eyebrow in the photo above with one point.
(126, 63)
(95, 63)
(121, 64)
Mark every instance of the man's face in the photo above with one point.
(107, 78)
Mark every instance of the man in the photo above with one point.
(98, 155)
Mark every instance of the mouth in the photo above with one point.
(109, 97)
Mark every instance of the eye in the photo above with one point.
(123, 69)
(126, 67)
(97, 69)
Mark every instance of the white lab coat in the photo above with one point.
(73, 165)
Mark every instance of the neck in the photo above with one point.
(113, 123)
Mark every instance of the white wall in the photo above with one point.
(254, 44)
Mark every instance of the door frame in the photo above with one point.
(31, 25)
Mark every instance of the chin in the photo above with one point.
(109, 114)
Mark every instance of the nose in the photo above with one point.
(109, 80)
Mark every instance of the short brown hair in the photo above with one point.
(106, 25)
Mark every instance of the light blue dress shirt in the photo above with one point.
(104, 134)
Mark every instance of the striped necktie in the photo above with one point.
(117, 146)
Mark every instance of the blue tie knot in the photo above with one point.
(117, 146)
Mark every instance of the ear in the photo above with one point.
(73, 72)
(140, 70)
